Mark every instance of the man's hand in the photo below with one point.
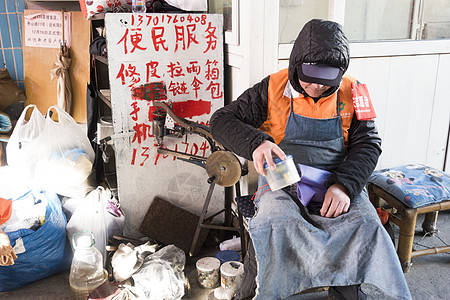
(336, 201)
(265, 152)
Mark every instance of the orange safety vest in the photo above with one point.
(279, 106)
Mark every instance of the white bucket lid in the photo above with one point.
(208, 264)
(232, 268)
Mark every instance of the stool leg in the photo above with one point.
(406, 238)
(373, 197)
(201, 219)
(241, 223)
(429, 224)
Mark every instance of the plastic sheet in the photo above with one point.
(161, 275)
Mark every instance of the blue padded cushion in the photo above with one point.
(414, 185)
(246, 206)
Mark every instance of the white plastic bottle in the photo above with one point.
(138, 6)
(86, 271)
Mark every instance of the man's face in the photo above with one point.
(314, 90)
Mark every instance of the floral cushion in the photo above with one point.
(414, 185)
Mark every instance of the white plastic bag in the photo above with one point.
(65, 156)
(100, 213)
(21, 147)
(161, 276)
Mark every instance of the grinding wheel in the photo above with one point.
(225, 167)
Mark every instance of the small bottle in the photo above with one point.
(233, 244)
(138, 6)
(86, 271)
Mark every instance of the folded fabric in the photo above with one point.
(311, 188)
(7, 255)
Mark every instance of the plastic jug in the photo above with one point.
(86, 271)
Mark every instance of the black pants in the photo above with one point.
(352, 292)
(248, 286)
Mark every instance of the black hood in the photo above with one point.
(319, 41)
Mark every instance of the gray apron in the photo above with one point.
(296, 250)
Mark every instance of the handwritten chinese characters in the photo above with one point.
(165, 57)
(168, 33)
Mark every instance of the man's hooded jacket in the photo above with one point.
(261, 112)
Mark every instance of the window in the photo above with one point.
(370, 20)
(230, 11)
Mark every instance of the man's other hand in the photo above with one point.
(336, 201)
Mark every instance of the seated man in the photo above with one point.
(307, 111)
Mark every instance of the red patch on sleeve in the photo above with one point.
(361, 102)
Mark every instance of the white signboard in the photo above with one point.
(175, 58)
(45, 29)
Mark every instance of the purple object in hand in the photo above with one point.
(311, 188)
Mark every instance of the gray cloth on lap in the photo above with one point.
(296, 250)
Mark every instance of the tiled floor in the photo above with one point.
(427, 280)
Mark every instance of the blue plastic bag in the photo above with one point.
(46, 251)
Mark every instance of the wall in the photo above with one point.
(412, 107)
(11, 14)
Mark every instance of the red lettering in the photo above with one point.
(178, 88)
(140, 19)
(196, 85)
(194, 149)
(121, 74)
(133, 159)
(175, 70)
(135, 39)
(214, 88)
(211, 38)
(130, 72)
(194, 67)
(136, 108)
(151, 70)
(179, 37)
(124, 40)
(144, 154)
(141, 131)
(211, 72)
(204, 147)
(157, 38)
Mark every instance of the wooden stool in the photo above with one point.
(411, 190)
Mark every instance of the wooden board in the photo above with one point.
(169, 224)
(38, 62)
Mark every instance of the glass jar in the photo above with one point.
(208, 272)
(232, 273)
